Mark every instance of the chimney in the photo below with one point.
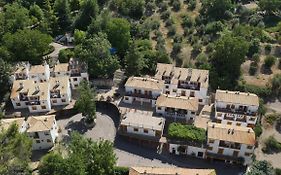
(229, 131)
(45, 119)
(21, 85)
(213, 126)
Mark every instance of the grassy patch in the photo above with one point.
(258, 130)
(186, 133)
(271, 118)
(271, 145)
(118, 170)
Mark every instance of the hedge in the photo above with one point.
(186, 133)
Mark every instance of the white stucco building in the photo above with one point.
(39, 73)
(22, 71)
(31, 95)
(43, 130)
(78, 72)
(142, 90)
(139, 124)
(236, 108)
(177, 107)
(230, 143)
(60, 92)
(184, 81)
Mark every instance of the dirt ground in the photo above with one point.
(275, 158)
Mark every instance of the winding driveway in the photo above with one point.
(58, 48)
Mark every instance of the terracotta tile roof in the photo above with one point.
(40, 123)
(164, 70)
(145, 83)
(169, 171)
(237, 97)
(21, 86)
(177, 73)
(6, 123)
(238, 134)
(59, 83)
(62, 67)
(39, 89)
(190, 104)
(140, 120)
(37, 69)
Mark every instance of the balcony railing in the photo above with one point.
(236, 111)
(188, 86)
(139, 95)
(55, 95)
(230, 145)
(34, 103)
(233, 117)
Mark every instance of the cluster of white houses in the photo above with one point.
(43, 130)
(181, 94)
(39, 87)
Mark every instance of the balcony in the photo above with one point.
(34, 103)
(230, 145)
(139, 95)
(55, 95)
(188, 86)
(232, 117)
(236, 111)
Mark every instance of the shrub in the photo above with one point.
(277, 171)
(165, 15)
(269, 61)
(268, 48)
(187, 21)
(272, 145)
(65, 55)
(260, 91)
(192, 4)
(169, 22)
(171, 30)
(271, 118)
(163, 6)
(176, 5)
(186, 133)
(276, 85)
(210, 47)
(256, 58)
(253, 68)
(176, 48)
(121, 170)
(258, 130)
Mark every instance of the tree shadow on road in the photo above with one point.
(78, 126)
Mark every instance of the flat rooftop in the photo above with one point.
(236, 97)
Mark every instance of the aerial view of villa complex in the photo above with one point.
(140, 87)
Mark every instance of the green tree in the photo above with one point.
(86, 103)
(15, 152)
(62, 11)
(79, 36)
(270, 6)
(230, 52)
(15, 17)
(132, 8)
(52, 164)
(5, 72)
(276, 85)
(88, 11)
(269, 61)
(134, 62)
(27, 45)
(96, 52)
(118, 32)
(85, 157)
(216, 8)
(261, 168)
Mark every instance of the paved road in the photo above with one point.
(274, 105)
(130, 154)
(58, 48)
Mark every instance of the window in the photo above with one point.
(48, 140)
(249, 147)
(200, 154)
(238, 124)
(145, 130)
(63, 100)
(193, 113)
(126, 98)
(210, 148)
(136, 129)
(159, 108)
(167, 87)
(18, 104)
(26, 103)
(229, 123)
(43, 107)
(211, 141)
(46, 133)
(54, 101)
(174, 90)
(192, 94)
(200, 100)
(74, 79)
(34, 108)
(248, 154)
(37, 141)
